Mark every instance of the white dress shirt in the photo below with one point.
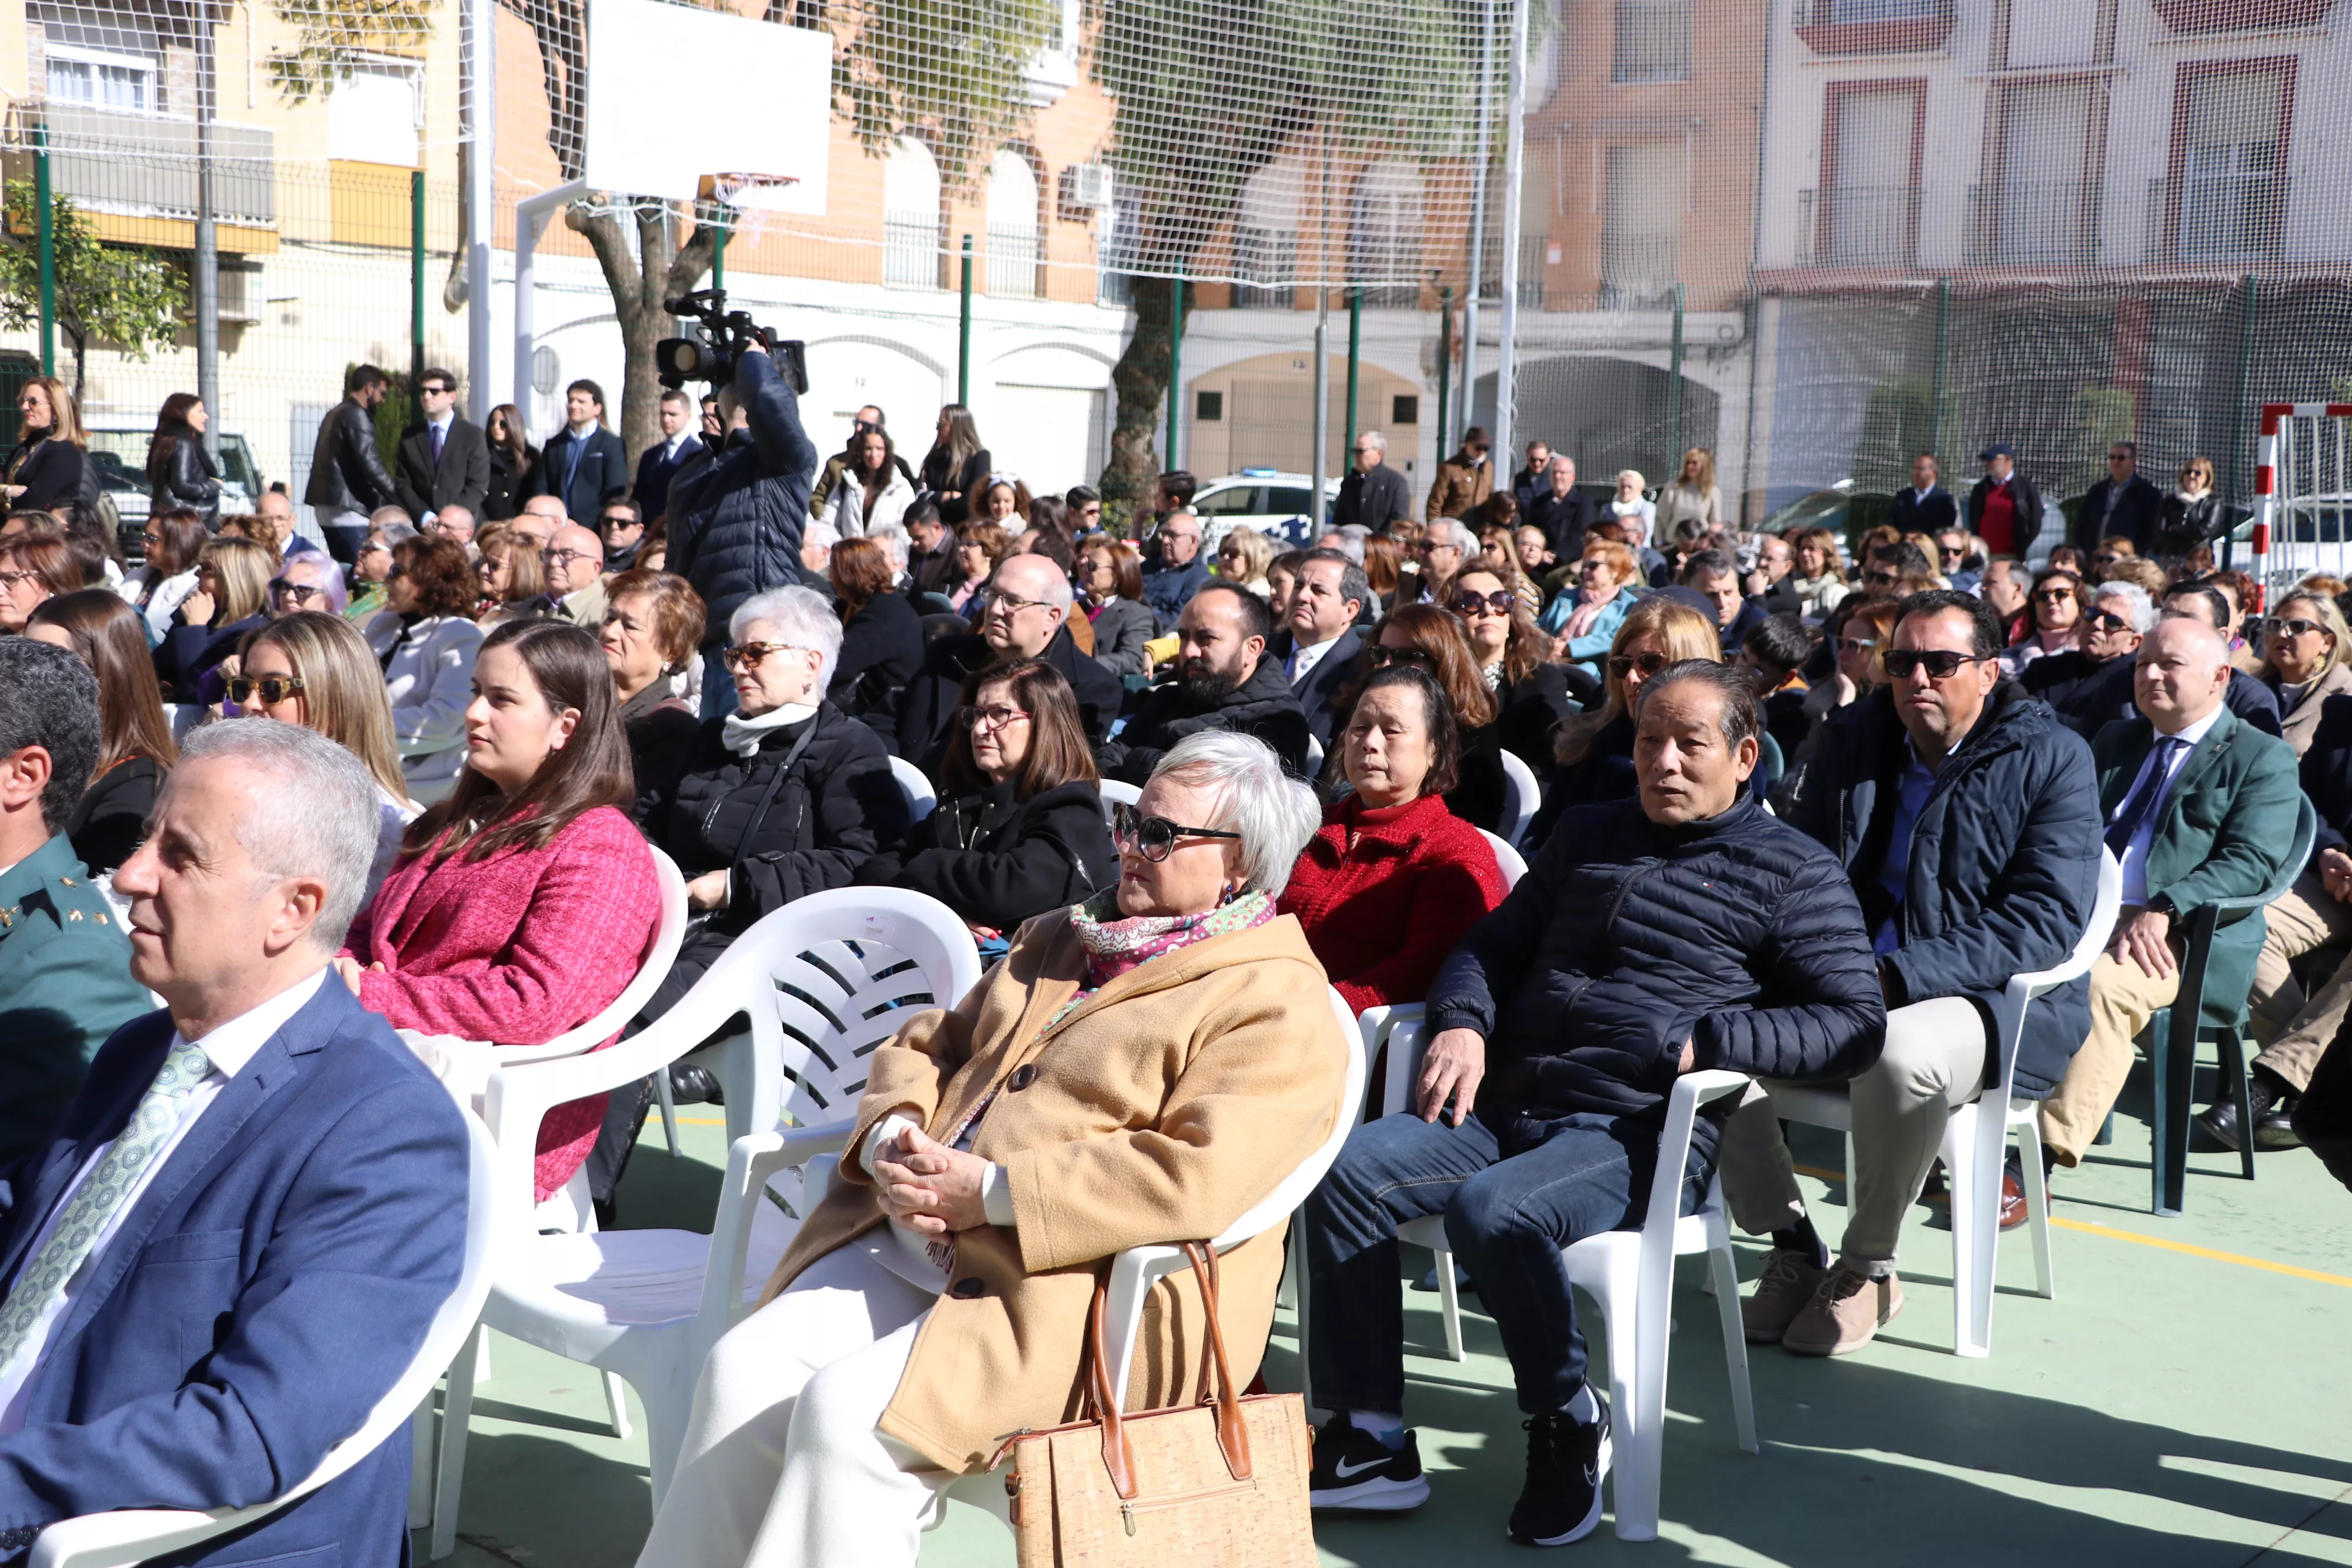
(2134, 863)
(1304, 657)
(228, 1048)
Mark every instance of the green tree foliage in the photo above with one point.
(125, 295)
(950, 70)
(329, 36)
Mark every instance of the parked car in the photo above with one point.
(120, 453)
(1843, 510)
(1274, 503)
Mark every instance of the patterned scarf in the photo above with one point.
(1116, 944)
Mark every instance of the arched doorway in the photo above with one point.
(1607, 414)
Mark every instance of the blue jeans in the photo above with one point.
(1511, 1200)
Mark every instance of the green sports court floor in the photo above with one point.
(2185, 1400)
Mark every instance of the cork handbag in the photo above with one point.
(1221, 1480)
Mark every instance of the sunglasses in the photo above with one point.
(2108, 620)
(1882, 577)
(274, 688)
(1621, 664)
(1382, 656)
(2296, 627)
(1155, 837)
(1941, 664)
(748, 655)
(1857, 645)
(2054, 596)
(1499, 603)
(300, 592)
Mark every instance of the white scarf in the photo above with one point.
(742, 736)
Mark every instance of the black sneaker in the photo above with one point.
(1355, 1470)
(2274, 1128)
(1561, 1501)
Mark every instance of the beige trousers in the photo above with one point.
(2123, 998)
(1933, 1060)
(2295, 1029)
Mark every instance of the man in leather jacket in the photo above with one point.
(348, 478)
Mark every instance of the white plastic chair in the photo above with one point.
(915, 786)
(1526, 795)
(134, 1535)
(646, 1304)
(1513, 864)
(1629, 1274)
(660, 954)
(1314, 758)
(1974, 1143)
(1114, 793)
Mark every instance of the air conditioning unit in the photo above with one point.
(1086, 189)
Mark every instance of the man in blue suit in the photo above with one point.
(235, 1240)
(584, 464)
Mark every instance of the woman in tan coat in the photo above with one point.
(1141, 1069)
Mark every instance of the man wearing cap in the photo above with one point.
(2004, 509)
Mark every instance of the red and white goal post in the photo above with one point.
(2302, 494)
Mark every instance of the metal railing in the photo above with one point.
(2034, 223)
(1264, 253)
(1858, 226)
(1638, 270)
(910, 252)
(145, 164)
(1851, 13)
(2230, 217)
(1011, 263)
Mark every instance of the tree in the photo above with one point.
(125, 295)
(657, 268)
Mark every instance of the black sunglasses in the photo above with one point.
(1501, 603)
(2107, 620)
(1155, 837)
(1941, 664)
(1382, 656)
(1621, 664)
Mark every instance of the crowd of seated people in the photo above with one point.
(512, 719)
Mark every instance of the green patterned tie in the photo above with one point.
(95, 1201)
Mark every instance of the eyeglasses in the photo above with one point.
(1941, 664)
(2296, 627)
(371, 546)
(1882, 576)
(274, 688)
(988, 718)
(300, 592)
(1155, 837)
(1382, 656)
(1014, 604)
(570, 555)
(1621, 664)
(1857, 645)
(2108, 620)
(1499, 603)
(10, 578)
(748, 655)
(395, 575)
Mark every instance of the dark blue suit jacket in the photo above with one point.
(268, 1289)
(603, 473)
(654, 471)
(1320, 692)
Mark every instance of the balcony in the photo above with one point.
(1874, 26)
(2033, 223)
(1011, 262)
(910, 251)
(1271, 257)
(2205, 17)
(1858, 226)
(1638, 271)
(2228, 218)
(136, 175)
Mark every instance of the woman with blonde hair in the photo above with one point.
(1592, 758)
(231, 598)
(1693, 495)
(2192, 513)
(49, 466)
(315, 669)
(2308, 658)
(1243, 556)
(1819, 575)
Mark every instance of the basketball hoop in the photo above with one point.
(746, 192)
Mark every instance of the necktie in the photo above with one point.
(2143, 801)
(436, 444)
(95, 1201)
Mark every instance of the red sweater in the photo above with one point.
(1386, 893)
(515, 949)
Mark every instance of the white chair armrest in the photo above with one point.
(750, 1163)
(122, 1538)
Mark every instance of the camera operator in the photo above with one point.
(735, 521)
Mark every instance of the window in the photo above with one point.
(372, 117)
(1404, 408)
(2048, 210)
(1873, 203)
(1641, 245)
(1209, 405)
(1384, 235)
(101, 80)
(2230, 188)
(1874, 26)
(1653, 41)
(1012, 228)
(1240, 500)
(1266, 234)
(911, 217)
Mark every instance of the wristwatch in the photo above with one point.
(2162, 904)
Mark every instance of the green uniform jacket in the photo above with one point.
(2225, 832)
(64, 986)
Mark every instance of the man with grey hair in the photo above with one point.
(457, 522)
(2089, 685)
(65, 966)
(1330, 595)
(1374, 495)
(1027, 617)
(276, 513)
(234, 1241)
(1682, 929)
(575, 575)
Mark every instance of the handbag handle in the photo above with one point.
(1232, 1434)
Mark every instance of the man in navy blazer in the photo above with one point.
(233, 1243)
(1332, 592)
(659, 463)
(583, 465)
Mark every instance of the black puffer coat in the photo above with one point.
(997, 861)
(1261, 706)
(928, 707)
(1625, 938)
(1605, 772)
(735, 523)
(821, 822)
(2004, 862)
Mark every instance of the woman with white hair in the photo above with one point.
(1141, 1069)
(1634, 511)
(784, 796)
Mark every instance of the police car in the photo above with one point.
(1274, 503)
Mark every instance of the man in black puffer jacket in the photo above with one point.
(1967, 814)
(1223, 681)
(1681, 931)
(735, 521)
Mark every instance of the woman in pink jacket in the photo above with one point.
(523, 904)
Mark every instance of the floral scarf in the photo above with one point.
(1117, 943)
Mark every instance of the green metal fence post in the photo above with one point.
(1175, 359)
(963, 332)
(719, 256)
(1355, 362)
(1674, 389)
(2238, 431)
(48, 242)
(1444, 361)
(416, 291)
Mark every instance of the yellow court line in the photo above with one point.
(2189, 1250)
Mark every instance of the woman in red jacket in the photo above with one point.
(523, 904)
(1393, 879)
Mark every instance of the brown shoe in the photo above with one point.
(1845, 1313)
(2013, 1202)
(1789, 1281)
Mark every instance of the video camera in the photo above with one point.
(716, 339)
